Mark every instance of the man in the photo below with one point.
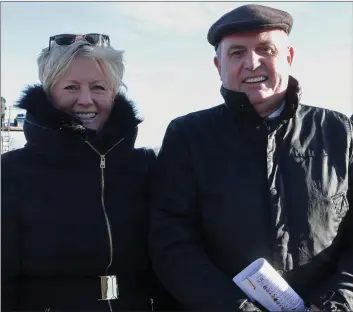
(260, 176)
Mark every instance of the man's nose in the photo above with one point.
(84, 97)
(252, 60)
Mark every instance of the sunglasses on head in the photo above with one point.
(93, 39)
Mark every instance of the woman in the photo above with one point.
(74, 199)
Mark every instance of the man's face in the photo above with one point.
(256, 63)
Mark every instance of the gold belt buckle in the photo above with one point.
(109, 287)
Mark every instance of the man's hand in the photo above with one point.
(314, 308)
(247, 306)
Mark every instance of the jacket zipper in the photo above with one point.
(103, 166)
(109, 230)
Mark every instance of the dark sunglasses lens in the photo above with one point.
(65, 39)
(92, 38)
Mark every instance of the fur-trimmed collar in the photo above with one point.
(35, 101)
(43, 116)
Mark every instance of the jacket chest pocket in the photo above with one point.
(307, 170)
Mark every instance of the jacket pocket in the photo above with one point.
(340, 204)
(307, 153)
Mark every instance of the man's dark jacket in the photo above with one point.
(231, 187)
(54, 241)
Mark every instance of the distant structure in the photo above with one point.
(5, 135)
(3, 110)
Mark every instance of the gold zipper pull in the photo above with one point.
(102, 161)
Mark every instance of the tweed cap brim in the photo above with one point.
(249, 18)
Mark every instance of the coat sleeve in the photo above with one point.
(161, 300)
(337, 292)
(178, 256)
(10, 235)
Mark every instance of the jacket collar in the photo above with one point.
(238, 102)
(48, 129)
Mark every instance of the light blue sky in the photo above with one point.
(169, 64)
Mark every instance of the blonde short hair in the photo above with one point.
(53, 64)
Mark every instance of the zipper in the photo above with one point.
(109, 230)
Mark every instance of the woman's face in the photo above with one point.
(84, 93)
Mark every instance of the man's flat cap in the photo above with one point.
(246, 18)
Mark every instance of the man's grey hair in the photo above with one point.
(53, 64)
(218, 51)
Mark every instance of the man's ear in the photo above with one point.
(290, 55)
(217, 63)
